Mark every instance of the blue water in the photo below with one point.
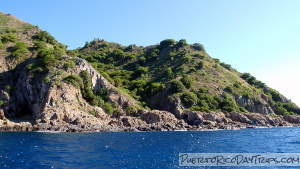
(137, 149)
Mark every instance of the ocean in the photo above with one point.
(137, 149)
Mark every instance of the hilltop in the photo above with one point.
(106, 86)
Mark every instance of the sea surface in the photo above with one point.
(137, 149)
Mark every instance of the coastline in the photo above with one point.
(196, 121)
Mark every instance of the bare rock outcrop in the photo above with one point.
(195, 118)
(254, 105)
(162, 120)
(132, 122)
(239, 118)
(99, 82)
(292, 119)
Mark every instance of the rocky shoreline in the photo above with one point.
(156, 121)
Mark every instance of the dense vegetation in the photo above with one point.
(174, 69)
(165, 72)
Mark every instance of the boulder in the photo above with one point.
(195, 118)
(132, 122)
(239, 118)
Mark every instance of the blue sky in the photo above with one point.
(261, 37)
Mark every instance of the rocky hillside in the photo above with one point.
(176, 76)
(105, 86)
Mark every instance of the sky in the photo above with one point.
(261, 37)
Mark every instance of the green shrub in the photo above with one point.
(156, 87)
(193, 69)
(199, 108)
(30, 66)
(2, 103)
(9, 30)
(58, 52)
(118, 54)
(187, 59)
(20, 49)
(275, 95)
(137, 84)
(198, 46)
(118, 82)
(28, 27)
(75, 80)
(131, 56)
(1, 44)
(69, 65)
(196, 108)
(49, 60)
(187, 81)
(166, 43)
(153, 54)
(242, 109)
(9, 37)
(229, 89)
(246, 94)
(43, 53)
(86, 78)
(201, 64)
(209, 102)
(142, 60)
(203, 90)
(21, 53)
(226, 66)
(39, 45)
(291, 107)
(189, 98)
(229, 105)
(237, 84)
(20, 45)
(182, 43)
(203, 106)
(87, 92)
(177, 87)
(46, 37)
(39, 69)
(199, 55)
(281, 111)
(46, 80)
(169, 73)
(130, 48)
(142, 70)
(109, 108)
(245, 76)
(131, 111)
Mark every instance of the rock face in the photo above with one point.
(99, 82)
(61, 105)
(247, 119)
(292, 118)
(62, 108)
(254, 106)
